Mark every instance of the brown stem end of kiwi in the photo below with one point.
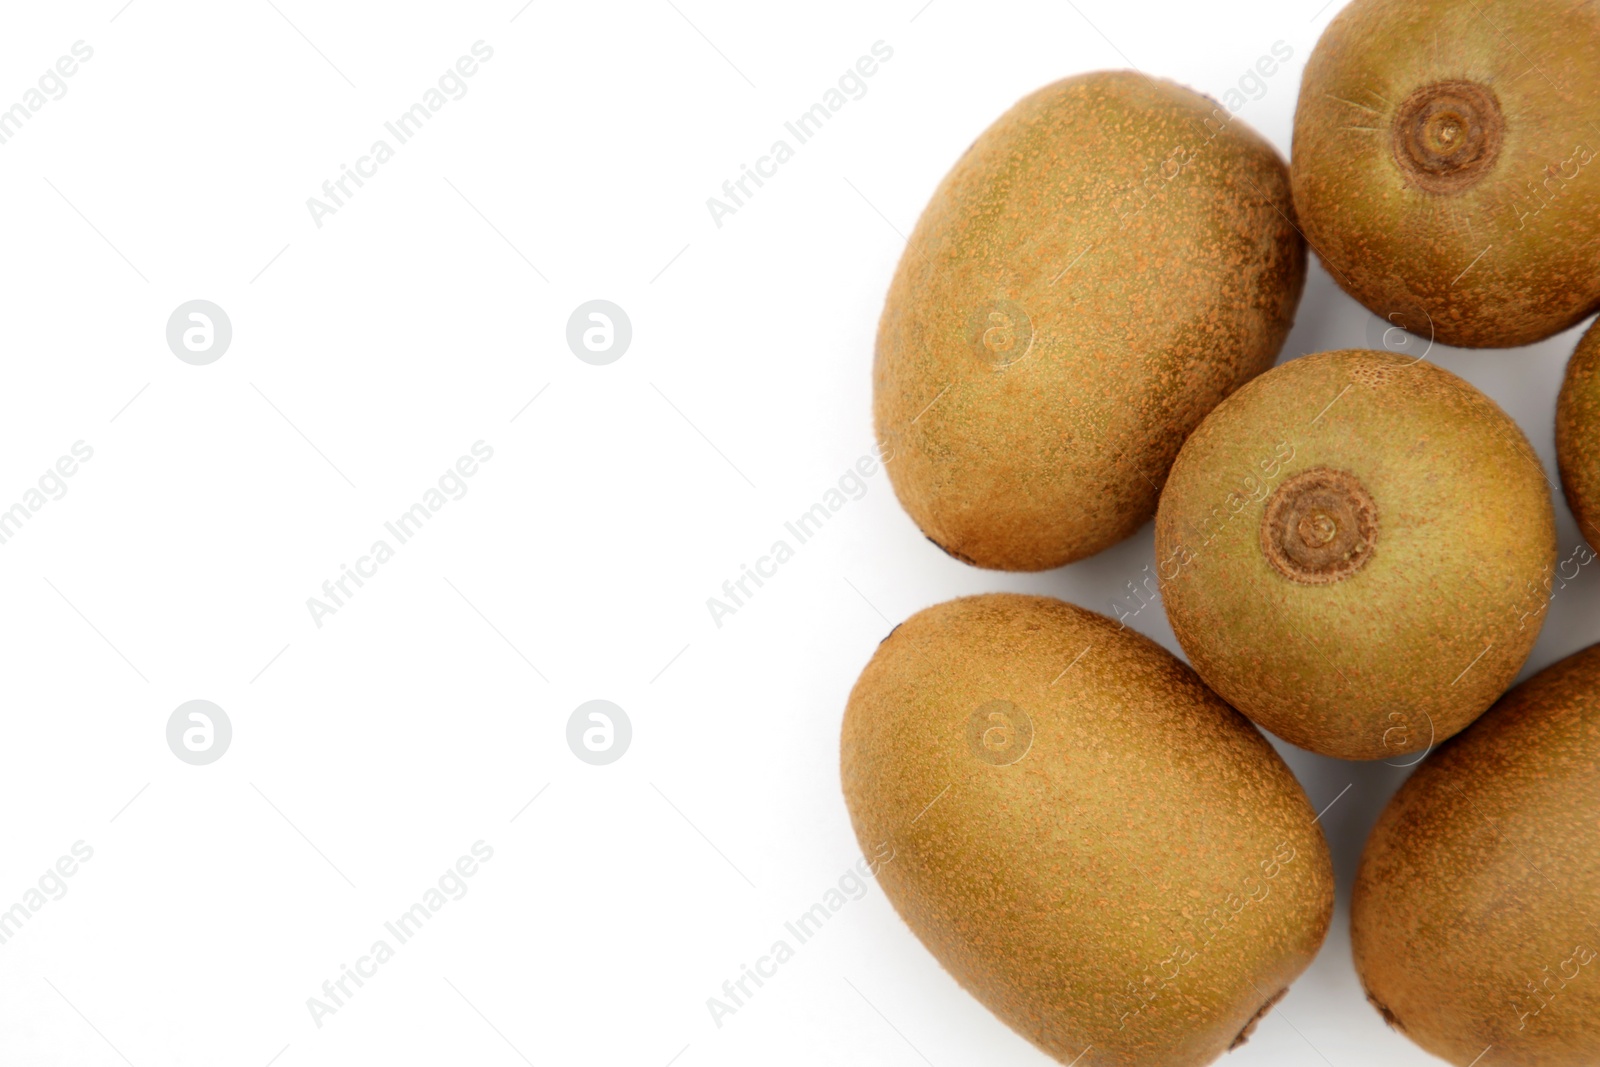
(1320, 527)
(1447, 135)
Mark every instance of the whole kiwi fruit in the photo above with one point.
(1443, 160)
(1105, 263)
(1351, 550)
(1091, 842)
(1476, 914)
(1578, 435)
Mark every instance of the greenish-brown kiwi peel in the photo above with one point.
(1328, 562)
(1087, 838)
(1578, 434)
(1446, 164)
(1475, 917)
(1108, 261)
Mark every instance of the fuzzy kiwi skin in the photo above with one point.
(1578, 435)
(1097, 890)
(1482, 877)
(1142, 238)
(1400, 247)
(1419, 640)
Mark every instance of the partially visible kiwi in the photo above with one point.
(1106, 262)
(1578, 435)
(1476, 914)
(1446, 164)
(1353, 551)
(1086, 837)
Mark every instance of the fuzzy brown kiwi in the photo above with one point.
(1086, 837)
(1476, 915)
(1578, 435)
(1446, 164)
(1106, 262)
(1353, 551)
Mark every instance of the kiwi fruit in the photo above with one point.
(1106, 262)
(1442, 162)
(1091, 842)
(1476, 913)
(1351, 550)
(1578, 435)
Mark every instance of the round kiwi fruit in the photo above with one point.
(1105, 263)
(1578, 435)
(1091, 842)
(1444, 164)
(1476, 914)
(1351, 551)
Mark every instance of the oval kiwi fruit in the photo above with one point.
(1089, 840)
(1105, 263)
(1578, 435)
(1351, 551)
(1476, 914)
(1444, 164)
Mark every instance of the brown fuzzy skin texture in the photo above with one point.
(1578, 435)
(1400, 248)
(1483, 876)
(1097, 889)
(1145, 242)
(1420, 639)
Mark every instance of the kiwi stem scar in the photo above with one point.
(1320, 527)
(1446, 136)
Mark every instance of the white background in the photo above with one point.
(368, 754)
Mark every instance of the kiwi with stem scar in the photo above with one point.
(1444, 164)
(1353, 550)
